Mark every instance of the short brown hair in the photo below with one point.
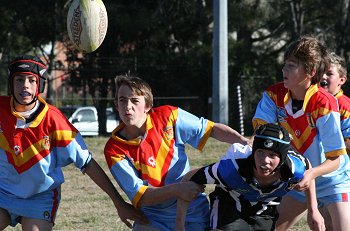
(137, 85)
(312, 53)
(339, 62)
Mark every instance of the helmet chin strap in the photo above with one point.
(35, 98)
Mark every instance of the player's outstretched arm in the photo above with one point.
(227, 134)
(314, 217)
(125, 210)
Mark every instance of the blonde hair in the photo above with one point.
(339, 62)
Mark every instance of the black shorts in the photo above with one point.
(225, 216)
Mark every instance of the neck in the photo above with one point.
(133, 132)
(22, 108)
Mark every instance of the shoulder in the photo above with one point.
(238, 151)
(163, 110)
(294, 166)
(54, 111)
(5, 102)
(277, 88)
(320, 98)
(344, 101)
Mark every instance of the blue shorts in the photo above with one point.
(42, 206)
(323, 201)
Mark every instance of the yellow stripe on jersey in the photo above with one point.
(64, 135)
(335, 153)
(156, 171)
(206, 136)
(138, 195)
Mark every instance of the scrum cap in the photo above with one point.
(272, 137)
(28, 65)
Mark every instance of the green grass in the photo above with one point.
(84, 206)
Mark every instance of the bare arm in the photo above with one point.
(314, 217)
(326, 167)
(226, 134)
(125, 210)
(183, 190)
(182, 206)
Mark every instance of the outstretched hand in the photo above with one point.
(305, 182)
(129, 212)
(315, 221)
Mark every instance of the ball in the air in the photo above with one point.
(87, 23)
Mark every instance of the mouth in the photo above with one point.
(264, 168)
(24, 94)
(324, 84)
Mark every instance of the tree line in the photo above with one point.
(169, 43)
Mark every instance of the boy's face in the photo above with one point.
(266, 162)
(294, 75)
(132, 108)
(24, 90)
(332, 81)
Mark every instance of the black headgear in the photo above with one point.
(272, 137)
(28, 65)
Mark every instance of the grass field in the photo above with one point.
(85, 207)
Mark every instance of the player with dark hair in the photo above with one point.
(36, 142)
(251, 181)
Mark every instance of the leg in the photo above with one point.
(5, 219)
(32, 224)
(339, 214)
(290, 212)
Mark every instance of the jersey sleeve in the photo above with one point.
(328, 127)
(192, 130)
(127, 177)
(124, 172)
(266, 111)
(69, 145)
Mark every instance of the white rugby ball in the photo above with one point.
(87, 23)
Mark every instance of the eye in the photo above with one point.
(32, 80)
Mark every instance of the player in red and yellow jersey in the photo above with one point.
(311, 115)
(36, 142)
(146, 155)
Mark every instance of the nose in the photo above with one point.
(265, 158)
(128, 105)
(26, 83)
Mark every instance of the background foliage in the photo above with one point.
(169, 43)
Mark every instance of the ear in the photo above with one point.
(312, 73)
(147, 109)
(342, 80)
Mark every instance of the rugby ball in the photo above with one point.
(87, 24)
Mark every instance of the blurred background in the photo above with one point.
(169, 43)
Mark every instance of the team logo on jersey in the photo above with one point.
(281, 114)
(45, 143)
(152, 161)
(17, 149)
(169, 132)
(310, 120)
